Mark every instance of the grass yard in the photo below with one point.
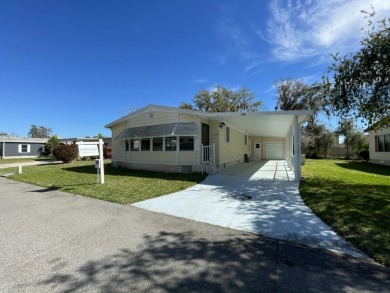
(121, 185)
(354, 198)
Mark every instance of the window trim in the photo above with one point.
(21, 146)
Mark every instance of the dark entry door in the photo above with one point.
(205, 134)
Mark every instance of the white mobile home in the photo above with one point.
(171, 139)
(379, 143)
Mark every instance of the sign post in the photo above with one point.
(90, 149)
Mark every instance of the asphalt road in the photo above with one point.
(51, 241)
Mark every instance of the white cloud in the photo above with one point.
(238, 41)
(307, 28)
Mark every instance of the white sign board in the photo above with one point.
(88, 150)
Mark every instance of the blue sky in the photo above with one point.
(76, 65)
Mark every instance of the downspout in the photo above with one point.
(297, 166)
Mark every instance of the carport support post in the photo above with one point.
(101, 158)
(297, 150)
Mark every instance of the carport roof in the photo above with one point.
(267, 123)
(272, 124)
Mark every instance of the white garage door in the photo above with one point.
(274, 150)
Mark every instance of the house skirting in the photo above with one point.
(166, 168)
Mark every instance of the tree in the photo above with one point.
(316, 140)
(39, 132)
(353, 139)
(51, 144)
(222, 99)
(4, 134)
(360, 84)
(296, 95)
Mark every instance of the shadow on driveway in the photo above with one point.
(180, 262)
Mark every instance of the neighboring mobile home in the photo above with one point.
(171, 139)
(106, 140)
(19, 147)
(379, 143)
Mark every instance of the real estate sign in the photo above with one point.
(88, 150)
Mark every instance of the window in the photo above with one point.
(187, 143)
(246, 139)
(227, 134)
(24, 148)
(134, 144)
(382, 143)
(170, 143)
(145, 144)
(127, 146)
(158, 144)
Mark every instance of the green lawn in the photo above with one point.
(354, 198)
(121, 185)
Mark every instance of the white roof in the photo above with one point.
(267, 123)
(23, 139)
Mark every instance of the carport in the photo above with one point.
(281, 130)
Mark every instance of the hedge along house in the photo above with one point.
(19, 147)
(168, 139)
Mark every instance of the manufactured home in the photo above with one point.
(169, 139)
(379, 143)
(19, 147)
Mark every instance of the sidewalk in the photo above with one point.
(32, 163)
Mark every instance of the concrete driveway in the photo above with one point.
(274, 209)
(52, 241)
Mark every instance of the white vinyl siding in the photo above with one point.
(274, 149)
(233, 152)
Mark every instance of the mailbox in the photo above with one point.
(97, 163)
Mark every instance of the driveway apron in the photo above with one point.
(259, 197)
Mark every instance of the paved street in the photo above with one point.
(56, 242)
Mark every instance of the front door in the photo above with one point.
(205, 134)
(257, 152)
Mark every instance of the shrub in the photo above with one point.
(364, 155)
(107, 150)
(66, 153)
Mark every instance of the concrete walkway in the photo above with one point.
(257, 197)
(29, 163)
